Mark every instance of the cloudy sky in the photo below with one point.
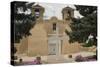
(52, 9)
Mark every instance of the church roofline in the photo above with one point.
(67, 8)
(37, 6)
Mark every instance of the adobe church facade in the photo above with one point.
(48, 36)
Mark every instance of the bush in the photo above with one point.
(79, 58)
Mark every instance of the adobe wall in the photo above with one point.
(22, 46)
(37, 42)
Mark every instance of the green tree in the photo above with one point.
(23, 20)
(83, 27)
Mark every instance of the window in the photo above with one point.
(69, 13)
(37, 13)
(54, 26)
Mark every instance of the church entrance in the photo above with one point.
(52, 49)
(54, 45)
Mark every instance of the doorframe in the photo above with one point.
(58, 46)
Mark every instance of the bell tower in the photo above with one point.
(67, 13)
(38, 11)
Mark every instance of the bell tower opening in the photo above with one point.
(38, 11)
(67, 13)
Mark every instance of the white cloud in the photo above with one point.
(77, 14)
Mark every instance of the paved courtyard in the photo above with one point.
(57, 58)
